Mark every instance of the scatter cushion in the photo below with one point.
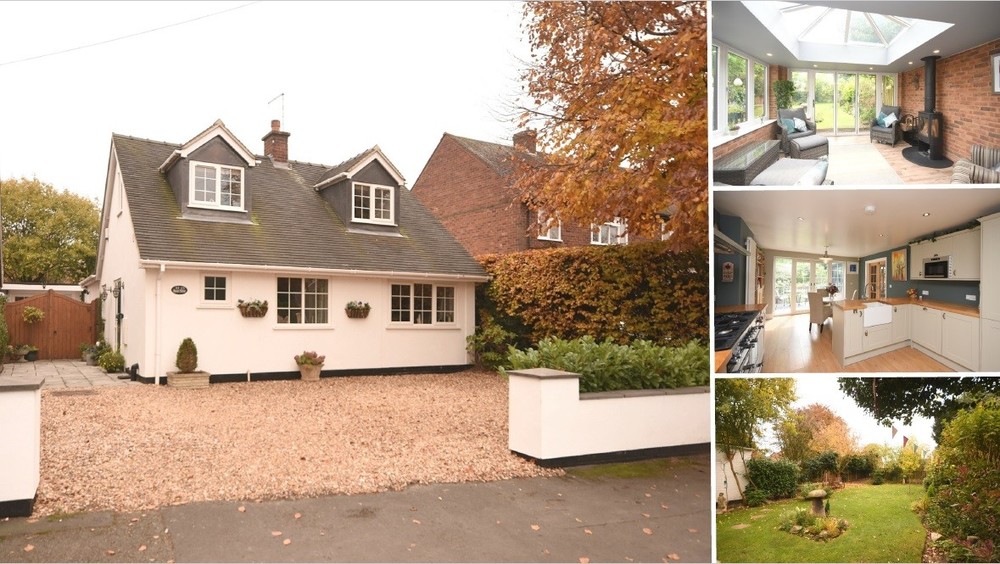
(800, 125)
(880, 120)
(788, 123)
(890, 119)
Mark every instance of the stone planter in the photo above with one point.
(310, 372)
(188, 379)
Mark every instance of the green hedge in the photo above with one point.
(623, 293)
(608, 366)
(776, 478)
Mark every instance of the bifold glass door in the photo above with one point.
(794, 278)
(842, 103)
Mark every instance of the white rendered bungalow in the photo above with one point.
(191, 230)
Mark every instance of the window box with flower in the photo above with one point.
(357, 310)
(252, 308)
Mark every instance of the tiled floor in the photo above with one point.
(66, 374)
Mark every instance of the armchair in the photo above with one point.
(818, 311)
(980, 169)
(886, 134)
(788, 133)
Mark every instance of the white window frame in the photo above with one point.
(720, 84)
(371, 208)
(615, 230)
(216, 205)
(207, 303)
(300, 321)
(410, 317)
(548, 232)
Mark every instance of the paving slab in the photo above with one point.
(608, 513)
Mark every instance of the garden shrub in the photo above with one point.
(4, 333)
(892, 473)
(814, 468)
(754, 497)
(624, 293)
(777, 478)
(608, 366)
(111, 361)
(963, 498)
(801, 521)
(490, 343)
(187, 356)
(856, 467)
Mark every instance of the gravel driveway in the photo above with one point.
(133, 448)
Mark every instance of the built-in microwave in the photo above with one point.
(938, 267)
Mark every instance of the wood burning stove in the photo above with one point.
(929, 151)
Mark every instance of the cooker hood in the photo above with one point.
(726, 246)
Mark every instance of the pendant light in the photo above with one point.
(826, 256)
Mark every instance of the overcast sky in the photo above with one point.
(354, 74)
(824, 390)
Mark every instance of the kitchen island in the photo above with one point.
(944, 331)
(723, 356)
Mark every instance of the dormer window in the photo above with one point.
(373, 203)
(216, 186)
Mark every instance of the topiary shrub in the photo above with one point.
(111, 361)
(187, 356)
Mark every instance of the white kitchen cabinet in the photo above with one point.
(965, 254)
(853, 332)
(925, 327)
(960, 339)
(989, 276)
(900, 323)
(876, 337)
(989, 330)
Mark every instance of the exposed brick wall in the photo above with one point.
(769, 131)
(774, 73)
(478, 207)
(964, 95)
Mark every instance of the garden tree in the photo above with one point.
(48, 236)
(877, 454)
(812, 430)
(911, 459)
(900, 399)
(618, 93)
(794, 437)
(743, 406)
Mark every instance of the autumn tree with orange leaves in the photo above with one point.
(618, 96)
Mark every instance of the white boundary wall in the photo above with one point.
(20, 437)
(549, 419)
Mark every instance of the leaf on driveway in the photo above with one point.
(241, 509)
(663, 505)
(416, 522)
(647, 530)
(672, 556)
(298, 515)
(646, 515)
(588, 532)
(109, 552)
(584, 560)
(275, 533)
(535, 527)
(692, 530)
(286, 542)
(29, 548)
(578, 520)
(648, 495)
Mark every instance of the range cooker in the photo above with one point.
(743, 334)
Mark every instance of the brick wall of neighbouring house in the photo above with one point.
(478, 207)
(964, 95)
(769, 131)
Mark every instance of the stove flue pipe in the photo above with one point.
(930, 86)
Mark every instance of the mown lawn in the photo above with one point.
(882, 529)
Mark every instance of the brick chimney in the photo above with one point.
(276, 143)
(525, 140)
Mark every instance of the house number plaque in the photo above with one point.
(179, 290)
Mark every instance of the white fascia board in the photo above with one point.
(375, 154)
(183, 265)
(218, 129)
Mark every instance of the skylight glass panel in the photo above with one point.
(890, 27)
(828, 29)
(799, 16)
(862, 30)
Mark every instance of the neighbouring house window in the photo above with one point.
(422, 304)
(215, 289)
(610, 233)
(216, 186)
(303, 300)
(549, 228)
(373, 203)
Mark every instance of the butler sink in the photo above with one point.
(877, 313)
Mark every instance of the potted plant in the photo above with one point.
(88, 353)
(832, 289)
(310, 365)
(357, 310)
(32, 314)
(14, 354)
(252, 308)
(30, 352)
(111, 361)
(783, 90)
(188, 375)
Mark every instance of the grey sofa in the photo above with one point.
(888, 135)
(980, 169)
(786, 133)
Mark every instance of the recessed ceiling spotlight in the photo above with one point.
(815, 66)
(936, 51)
(869, 210)
(769, 54)
(871, 68)
(801, 219)
(910, 63)
(927, 214)
(881, 234)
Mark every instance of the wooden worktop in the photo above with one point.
(933, 304)
(722, 357)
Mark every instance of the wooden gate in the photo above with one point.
(67, 324)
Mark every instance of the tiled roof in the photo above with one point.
(292, 225)
(496, 156)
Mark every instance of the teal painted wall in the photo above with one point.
(941, 290)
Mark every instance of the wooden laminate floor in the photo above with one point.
(789, 347)
(907, 171)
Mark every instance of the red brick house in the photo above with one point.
(467, 184)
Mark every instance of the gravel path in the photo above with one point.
(134, 448)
